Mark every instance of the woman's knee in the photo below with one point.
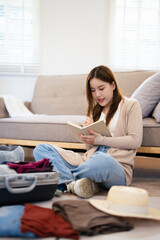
(38, 148)
(96, 166)
(101, 160)
(41, 149)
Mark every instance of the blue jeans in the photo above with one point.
(101, 167)
(10, 222)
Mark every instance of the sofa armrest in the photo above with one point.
(3, 110)
(28, 105)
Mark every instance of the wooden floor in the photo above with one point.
(151, 185)
(146, 174)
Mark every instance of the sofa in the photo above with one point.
(61, 98)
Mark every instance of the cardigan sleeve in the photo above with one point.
(131, 137)
(88, 146)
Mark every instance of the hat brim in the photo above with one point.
(101, 205)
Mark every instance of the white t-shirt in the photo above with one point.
(113, 122)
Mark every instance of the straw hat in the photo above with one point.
(127, 202)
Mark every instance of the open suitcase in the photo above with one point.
(27, 187)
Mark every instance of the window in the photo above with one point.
(20, 36)
(133, 38)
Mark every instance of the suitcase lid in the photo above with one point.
(25, 182)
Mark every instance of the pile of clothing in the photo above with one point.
(26, 167)
(43, 165)
(66, 219)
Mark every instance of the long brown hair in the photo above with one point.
(105, 74)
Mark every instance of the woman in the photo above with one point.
(108, 161)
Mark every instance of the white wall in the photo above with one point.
(73, 35)
(20, 87)
(73, 42)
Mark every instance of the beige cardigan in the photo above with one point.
(123, 145)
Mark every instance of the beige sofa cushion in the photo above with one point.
(151, 132)
(156, 113)
(54, 128)
(64, 95)
(40, 127)
(47, 98)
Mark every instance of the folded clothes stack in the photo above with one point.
(45, 222)
(88, 220)
(67, 219)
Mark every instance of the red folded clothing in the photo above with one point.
(45, 222)
(27, 167)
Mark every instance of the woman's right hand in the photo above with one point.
(87, 122)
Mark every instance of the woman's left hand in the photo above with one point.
(89, 139)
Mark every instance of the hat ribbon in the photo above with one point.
(142, 210)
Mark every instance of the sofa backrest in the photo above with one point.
(63, 94)
(66, 94)
(129, 81)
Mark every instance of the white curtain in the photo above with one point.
(133, 35)
(20, 36)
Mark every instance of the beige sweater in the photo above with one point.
(123, 145)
